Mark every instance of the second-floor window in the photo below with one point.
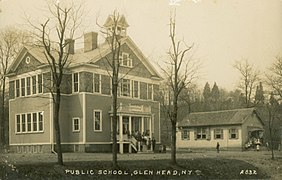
(136, 89)
(29, 85)
(125, 87)
(75, 82)
(150, 91)
(97, 83)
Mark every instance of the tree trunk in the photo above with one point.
(57, 126)
(2, 124)
(173, 143)
(114, 92)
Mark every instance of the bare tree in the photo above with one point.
(52, 36)
(274, 77)
(180, 72)
(272, 107)
(11, 41)
(112, 32)
(249, 78)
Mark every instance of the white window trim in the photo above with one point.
(77, 82)
(73, 130)
(121, 88)
(37, 84)
(30, 86)
(129, 61)
(101, 120)
(32, 120)
(188, 135)
(221, 133)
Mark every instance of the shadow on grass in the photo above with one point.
(200, 168)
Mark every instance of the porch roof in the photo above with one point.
(214, 118)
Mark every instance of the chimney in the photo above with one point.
(69, 46)
(90, 41)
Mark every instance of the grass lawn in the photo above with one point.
(133, 167)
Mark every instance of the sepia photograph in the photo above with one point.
(140, 89)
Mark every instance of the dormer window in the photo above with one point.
(125, 60)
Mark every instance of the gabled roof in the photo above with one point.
(83, 58)
(213, 118)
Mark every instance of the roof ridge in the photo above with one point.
(207, 112)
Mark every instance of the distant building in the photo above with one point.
(230, 128)
(86, 102)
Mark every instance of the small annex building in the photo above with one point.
(230, 128)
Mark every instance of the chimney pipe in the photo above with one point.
(90, 41)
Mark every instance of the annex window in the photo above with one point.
(33, 84)
(75, 82)
(150, 91)
(28, 88)
(23, 87)
(17, 88)
(125, 87)
(201, 133)
(97, 83)
(185, 134)
(233, 133)
(75, 125)
(97, 120)
(218, 134)
(136, 89)
(125, 60)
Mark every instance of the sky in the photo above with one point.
(222, 31)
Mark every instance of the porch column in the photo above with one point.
(120, 135)
(150, 134)
(142, 125)
(130, 132)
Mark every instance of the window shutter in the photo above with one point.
(195, 133)
(237, 133)
(214, 134)
(221, 132)
(229, 133)
(182, 135)
(208, 134)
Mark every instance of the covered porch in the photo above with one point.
(134, 127)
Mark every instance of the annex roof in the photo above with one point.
(213, 118)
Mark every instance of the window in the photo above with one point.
(18, 88)
(29, 122)
(97, 120)
(40, 85)
(150, 91)
(28, 91)
(125, 87)
(40, 121)
(34, 121)
(75, 125)
(218, 134)
(97, 83)
(135, 89)
(201, 133)
(23, 123)
(23, 87)
(185, 134)
(33, 84)
(18, 128)
(233, 133)
(125, 60)
(75, 82)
